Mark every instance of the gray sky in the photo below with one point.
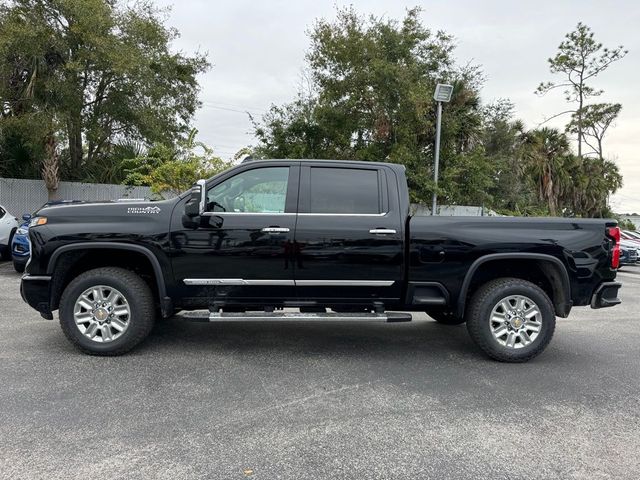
(257, 50)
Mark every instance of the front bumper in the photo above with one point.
(22, 260)
(606, 295)
(36, 291)
(20, 249)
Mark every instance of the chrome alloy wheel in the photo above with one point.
(515, 321)
(102, 313)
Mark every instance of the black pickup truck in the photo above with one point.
(308, 239)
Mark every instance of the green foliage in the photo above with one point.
(626, 224)
(91, 91)
(371, 83)
(580, 58)
(593, 121)
(174, 177)
(580, 184)
(468, 179)
(170, 170)
(373, 80)
(568, 184)
(100, 71)
(512, 191)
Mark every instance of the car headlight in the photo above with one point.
(22, 231)
(35, 221)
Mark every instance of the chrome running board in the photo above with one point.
(206, 316)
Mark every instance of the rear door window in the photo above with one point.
(344, 190)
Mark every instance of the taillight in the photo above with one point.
(614, 233)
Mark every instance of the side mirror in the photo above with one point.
(195, 206)
(26, 217)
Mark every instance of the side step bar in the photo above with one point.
(206, 316)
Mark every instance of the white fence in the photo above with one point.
(21, 196)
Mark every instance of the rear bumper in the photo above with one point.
(35, 290)
(606, 295)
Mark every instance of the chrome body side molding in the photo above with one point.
(344, 283)
(299, 283)
(236, 282)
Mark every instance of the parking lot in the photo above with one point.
(310, 400)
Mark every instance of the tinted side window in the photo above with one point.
(2, 212)
(344, 190)
(260, 190)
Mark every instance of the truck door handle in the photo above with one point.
(376, 231)
(275, 230)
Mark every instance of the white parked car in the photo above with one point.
(8, 226)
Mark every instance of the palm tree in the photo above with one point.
(546, 151)
(595, 180)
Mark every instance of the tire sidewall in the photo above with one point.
(482, 327)
(82, 283)
(19, 266)
(5, 250)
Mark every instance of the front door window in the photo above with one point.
(261, 190)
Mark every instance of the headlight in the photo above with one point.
(22, 231)
(35, 221)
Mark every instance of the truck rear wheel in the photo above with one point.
(107, 311)
(510, 319)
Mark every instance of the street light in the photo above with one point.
(442, 94)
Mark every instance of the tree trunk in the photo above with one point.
(580, 121)
(50, 168)
(600, 154)
(74, 130)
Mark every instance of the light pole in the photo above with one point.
(442, 94)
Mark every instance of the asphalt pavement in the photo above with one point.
(316, 401)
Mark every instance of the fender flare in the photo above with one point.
(562, 307)
(155, 264)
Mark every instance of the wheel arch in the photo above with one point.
(556, 278)
(159, 287)
(12, 233)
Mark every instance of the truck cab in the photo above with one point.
(292, 232)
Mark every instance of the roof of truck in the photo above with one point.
(363, 163)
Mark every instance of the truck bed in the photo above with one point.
(444, 249)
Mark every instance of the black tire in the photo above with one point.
(5, 252)
(479, 312)
(445, 317)
(19, 266)
(138, 296)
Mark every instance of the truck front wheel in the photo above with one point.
(510, 319)
(107, 311)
